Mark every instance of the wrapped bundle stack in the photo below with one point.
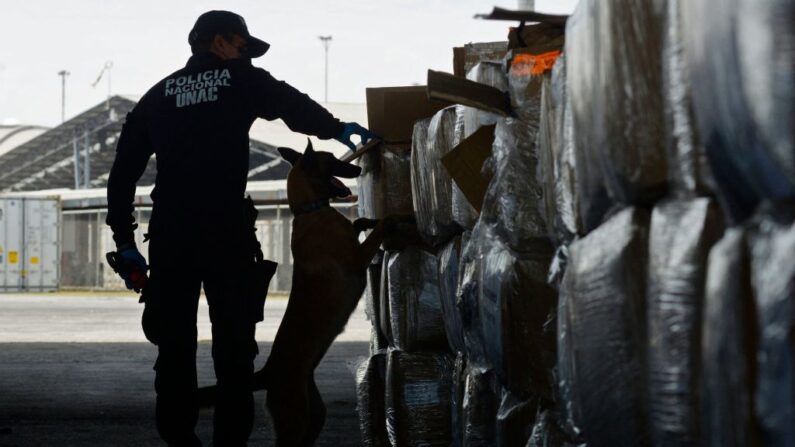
(431, 185)
(681, 234)
(602, 298)
(742, 68)
(415, 305)
(729, 346)
(772, 243)
(385, 182)
(418, 399)
(370, 392)
(468, 121)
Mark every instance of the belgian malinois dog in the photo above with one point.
(329, 277)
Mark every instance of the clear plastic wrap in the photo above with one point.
(546, 432)
(480, 407)
(469, 120)
(468, 297)
(772, 245)
(457, 388)
(740, 57)
(619, 112)
(431, 185)
(449, 258)
(512, 197)
(370, 390)
(688, 169)
(385, 182)
(681, 235)
(385, 320)
(515, 304)
(592, 200)
(415, 305)
(418, 399)
(556, 168)
(372, 303)
(729, 344)
(568, 394)
(605, 288)
(515, 418)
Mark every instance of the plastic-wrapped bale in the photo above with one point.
(385, 182)
(606, 288)
(516, 306)
(546, 432)
(372, 303)
(681, 235)
(370, 391)
(512, 198)
(515, 418)
(742, 67)
(481, 400)
(619, 83)
(688, 169)
(457, 388)
(592, 200)
(449, 260)
(772, 243)
(729, 347)
(415, 305)
(431, 185)
(385, 319)
(469, 120)
(568, 393)
(468, 296)
(556, 168)
(418, 399)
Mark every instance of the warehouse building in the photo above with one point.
(70, 163)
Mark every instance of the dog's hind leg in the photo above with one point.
(288, 404)
(317, 413)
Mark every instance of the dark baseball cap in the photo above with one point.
(215, 22)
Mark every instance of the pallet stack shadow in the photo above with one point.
(606, 214)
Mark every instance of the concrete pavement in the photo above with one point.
(75, 370)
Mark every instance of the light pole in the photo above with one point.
(63, 74)
(105, 69)
(326, 42)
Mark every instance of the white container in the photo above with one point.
(29, 244)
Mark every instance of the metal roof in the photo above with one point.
(47, 161)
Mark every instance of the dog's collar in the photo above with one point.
(310, 207)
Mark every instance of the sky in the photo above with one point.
(374, 43)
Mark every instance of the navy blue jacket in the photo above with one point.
(196, 122)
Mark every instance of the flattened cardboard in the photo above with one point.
(447, 87)
(465, 161)
(466, 57)
(392, 111)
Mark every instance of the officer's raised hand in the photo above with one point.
(352, 129)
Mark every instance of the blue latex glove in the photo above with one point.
(352, 129)
(132, 256)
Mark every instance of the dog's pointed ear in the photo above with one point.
(309, 155)
(289, 154)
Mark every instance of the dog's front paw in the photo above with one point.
(363, 223)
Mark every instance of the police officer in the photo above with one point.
(196, 123)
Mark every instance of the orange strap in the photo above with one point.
(534, 64)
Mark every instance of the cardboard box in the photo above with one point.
(471, 54)
(464, 164)
(392, 111)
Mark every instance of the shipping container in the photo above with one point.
(29, 244)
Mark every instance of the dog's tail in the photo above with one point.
(207, 394)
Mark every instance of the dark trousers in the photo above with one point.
(176, 278)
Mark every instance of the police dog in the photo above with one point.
(329, 277)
